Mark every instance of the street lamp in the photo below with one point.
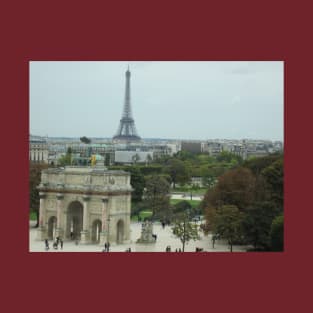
(108, 234)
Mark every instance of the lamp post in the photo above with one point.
(108, 235)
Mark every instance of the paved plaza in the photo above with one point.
(165, 238)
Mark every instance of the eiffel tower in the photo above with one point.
(126, 132)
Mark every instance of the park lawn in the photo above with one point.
(199, 192)
(142, 214)
(194, 203)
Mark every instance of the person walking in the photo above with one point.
(61, 244)
(47, 244)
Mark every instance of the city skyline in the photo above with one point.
(173, 100)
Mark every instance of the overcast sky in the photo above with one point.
(183, 100)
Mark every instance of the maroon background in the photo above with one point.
(146, 30)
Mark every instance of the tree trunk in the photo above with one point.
(184, 236)
(37, 218)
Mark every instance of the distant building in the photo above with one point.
(192, 146)
(38, 149)
(131, 157)
(213, 148)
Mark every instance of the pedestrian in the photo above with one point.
(47, 244)
(61, 244)
(107, 246)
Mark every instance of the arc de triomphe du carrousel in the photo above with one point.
(87, 204)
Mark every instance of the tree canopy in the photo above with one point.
(157, 196)
(256, 189)
(235, 187)
(84, 139)
(137, 182)
(228, 224)
(178, 171)
(184, 229)
(277, 233)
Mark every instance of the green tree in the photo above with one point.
(184, 155)
(34, 180)
(107, 159)
(208, 176)
(228, 224)
(277, 233)
(157, 196)
(257, 225)
(84, 139)
(137, 181)
(274, 177)
(184, 229)
(229, 157)
(182, 206)
(177, 171)
(67, 158)
(257, 165)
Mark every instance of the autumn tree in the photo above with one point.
(235, 187)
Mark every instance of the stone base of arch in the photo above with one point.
(103, 238)
(59, 232)
(41, 233)
(84, 237)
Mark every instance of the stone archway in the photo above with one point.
(74, 220)
(95, 231)
(120, 231)
(52, 224)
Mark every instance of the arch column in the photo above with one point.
(103, 234)
(42, 230)
(59, 229)
(84, 235)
